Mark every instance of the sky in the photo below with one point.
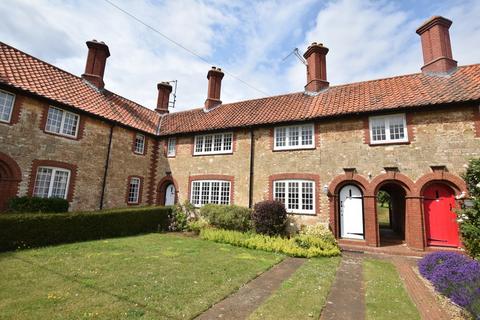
(249, 40)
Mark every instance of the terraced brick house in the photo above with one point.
(325, 152)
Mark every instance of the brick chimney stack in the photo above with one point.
(316, 67)
(164, 90)
(214, 76)
(97, 58)
(437, 51)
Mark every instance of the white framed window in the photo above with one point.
(139, 147)
(7, 100)
(171, 147)
(217, 143)
(298, 196)
(62, 122)
(134, 190)
(294, 137)
(210, 191)
(51, 182)
(388, 129)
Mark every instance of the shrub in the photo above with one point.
(469, 218)
(35, 205)
(270, 218)
(227, 217)
(34, 230)
(320, 231)
(197, 225)
(455, 276)
(302, 246)
(180, 215)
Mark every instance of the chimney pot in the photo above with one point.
(164, 90)
(316, 67)
(214, 76)
(96, 60)
(436, 47)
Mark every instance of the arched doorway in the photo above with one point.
(351, 212)
(10, 177)
(440, 218)
(167, 191)
(390, 210)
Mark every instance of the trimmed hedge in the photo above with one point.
(229, 217)
(300, 246)
(35, 205)
(34, 230)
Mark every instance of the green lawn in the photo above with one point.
(156, 276)
(303, 295)
(383, 216)
(385, 295)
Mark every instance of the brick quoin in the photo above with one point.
(57, 164)
(152, 172)
(300, 176)
(213, 177)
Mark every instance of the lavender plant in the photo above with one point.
(455, 276)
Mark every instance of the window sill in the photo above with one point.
(390, 143)
(133, 203)
(138, 153)
(302, 213)
(295, 149)
(61, 135)
(212, 154)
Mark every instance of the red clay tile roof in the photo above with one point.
(25, 72)
(415, 90)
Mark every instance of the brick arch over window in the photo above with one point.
(162, 187)
(301, 176)
(57, 164)
(10, 177)
(350, 177)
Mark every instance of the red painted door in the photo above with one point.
(440, 218)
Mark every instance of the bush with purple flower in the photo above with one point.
(455, 276)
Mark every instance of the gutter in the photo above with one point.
(105, 172)
(252, 158)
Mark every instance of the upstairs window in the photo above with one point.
(294, 137)
(134, 185)
(51, 183)
(6, 106)
(62, 122)
(171, 147)
(388, 129)
(139, 147)
(218, 143)
(298, 196)
(210, 191)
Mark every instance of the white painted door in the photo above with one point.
(170, 195)
(351, 213)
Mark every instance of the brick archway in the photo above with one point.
(10, 177)
(350, 177)
(162, 187)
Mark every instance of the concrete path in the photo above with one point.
(346, 298)
(249, 297)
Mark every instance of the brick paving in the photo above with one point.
(249, 297)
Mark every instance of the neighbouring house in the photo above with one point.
(324, 152)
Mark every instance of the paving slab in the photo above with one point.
(249, 297)
(346, 300)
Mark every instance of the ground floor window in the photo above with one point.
(297, 195)
(134, 190)
(210, 191)
(51, 183)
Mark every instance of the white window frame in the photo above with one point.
(137, 198)
(52, 179)
(171, 147)
(300, 195)
(135, 144)
(209, 201)
(11, 109)
(288, 137)
(62, 124)
(387, 119)
(212, 135)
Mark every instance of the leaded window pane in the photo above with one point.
(54, 120)
(6, 106)
(42, 183)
